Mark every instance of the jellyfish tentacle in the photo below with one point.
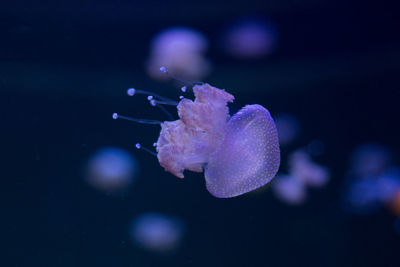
(142, 121)
(133, 91)
(139, 146)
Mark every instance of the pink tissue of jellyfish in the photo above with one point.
(238, 154)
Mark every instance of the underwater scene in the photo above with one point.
(200, 133)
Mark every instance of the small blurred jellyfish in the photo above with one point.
(369, 160)
(289, 189)
(181, 50)
(238, 154)
(250, 38)
(111, 169)
(157, 232)
(306, 170)
(362, 196)
(288, 128)
(366, 195)
(303, 173)
(388, 185)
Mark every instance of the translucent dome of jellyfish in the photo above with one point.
(157, 232)
(237, 154)
(181, 50)
(111, 169)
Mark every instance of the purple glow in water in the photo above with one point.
(388, 184)
(181, 51)
(289, 189)
(110, 169)
(157, 232)
(303, 168)
(362, 196)
(369, 160)
(288, 128)
(250, 39)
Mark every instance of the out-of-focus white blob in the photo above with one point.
(303, 168)
(111, 169)
(289, 189)
(288, 128)
(181, 51)
(250, 39)
(369, 160)
(362, 196)
(157, 232)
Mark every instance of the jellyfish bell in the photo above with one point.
(250, 39)
(182, 50)
(248, 157)
(157, 232)
(111, 169)
(238, 154)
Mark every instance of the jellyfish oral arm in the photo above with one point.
(187, 143)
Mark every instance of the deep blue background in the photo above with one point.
(64, 68)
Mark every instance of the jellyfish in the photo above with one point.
(182, 50)
(157, 232)
(305, 169)
(370, 160)
(250, 39)
(238, 154)
(289, 189)
(111, 169)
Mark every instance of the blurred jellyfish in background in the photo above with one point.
(388, 185)
(182, 51)
(306, 170)
(250, 39)
(362, 197)
(369, 159)
(303, 172)
(111, 169)
(288, 189)
(372, 182)
(288, 128)
(157, 232)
